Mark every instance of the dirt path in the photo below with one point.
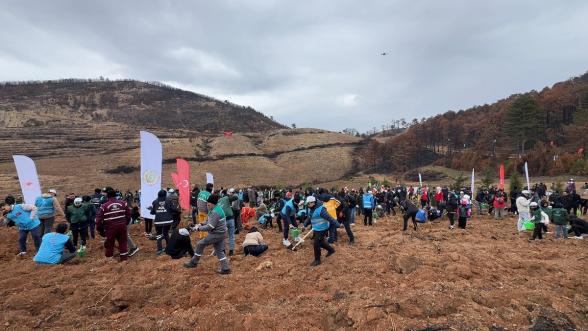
(485, 278)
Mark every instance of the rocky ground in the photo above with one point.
(487, 277)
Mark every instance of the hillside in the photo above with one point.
(79, 116)
(533, 127)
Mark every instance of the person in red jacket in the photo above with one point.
(499, 205)
(111, 220)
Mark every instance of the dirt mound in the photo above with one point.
(485, 278)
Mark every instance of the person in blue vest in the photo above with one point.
(47, 208)
(369, 204)
(288, 214)
(25, 217)
(53, 245)
(320, 220)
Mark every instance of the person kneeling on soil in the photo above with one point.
(216, 226)
(53, 245)
(179, 244)
(254, 243)
(321, 221)
(578, 226)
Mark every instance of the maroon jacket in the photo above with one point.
(113, 211)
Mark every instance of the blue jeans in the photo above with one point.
(561, 230)
(231, 230)
(22, 238)
(352, 216)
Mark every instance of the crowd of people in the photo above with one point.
(218, 215)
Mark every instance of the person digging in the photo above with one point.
(320, 220)
(216, 226)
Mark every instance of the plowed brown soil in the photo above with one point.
(485, 278)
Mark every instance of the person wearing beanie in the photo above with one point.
(179, 244)
(53, 246)
(111, 221)
(79, 216)
(163, 209)
(216, 226)
(47, 208)
(25, 217)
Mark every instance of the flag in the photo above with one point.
(420, 180)
(209, 178)
(472, 188)
(501, 174)
(27, 176)
(527, 176)
(151, 159)
(182, 181)
(228, 133)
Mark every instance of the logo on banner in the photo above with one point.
(29, 184)
(185, 183)
(150, 177)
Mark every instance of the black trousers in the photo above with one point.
(148, 225)
(537, 232)
(79, 229)
(412, 215)
(451, 216)
(320, 241)
(162, 234)
(255, 250)
(463, 221)
(367, 216)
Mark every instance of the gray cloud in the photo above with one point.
(316, 64)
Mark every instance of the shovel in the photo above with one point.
(301, 240)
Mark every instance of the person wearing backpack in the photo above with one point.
(560, 218)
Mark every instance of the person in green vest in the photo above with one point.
(225, 203)
(535, 212)
(216, 226)
(560, 218)
(79, 217)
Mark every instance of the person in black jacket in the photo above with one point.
(163, 209)
(452, 205)
(179, 244)
(410, 211)
(344, 216)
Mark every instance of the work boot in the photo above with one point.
(223, 271)
(329, 253)
(315, 263)
(231, 252)
(224, 267)
(189, 265)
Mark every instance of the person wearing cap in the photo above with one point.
(522, 203)
(79, 217)
(320, 220)
(47, 208)
(111, 221)
(535, 212)
(216, 226)
(179, 244)
(25, 217)
(56, 247)
(163, 209)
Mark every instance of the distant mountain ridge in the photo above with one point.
(126, 102)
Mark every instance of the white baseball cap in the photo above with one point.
(310, 199)
(53, 191)
(78, 201)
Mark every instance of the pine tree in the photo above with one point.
(524, 122)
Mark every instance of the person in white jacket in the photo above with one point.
(523, 208)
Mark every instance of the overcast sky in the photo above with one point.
(313, 63)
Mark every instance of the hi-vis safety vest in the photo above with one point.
(318, 223)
